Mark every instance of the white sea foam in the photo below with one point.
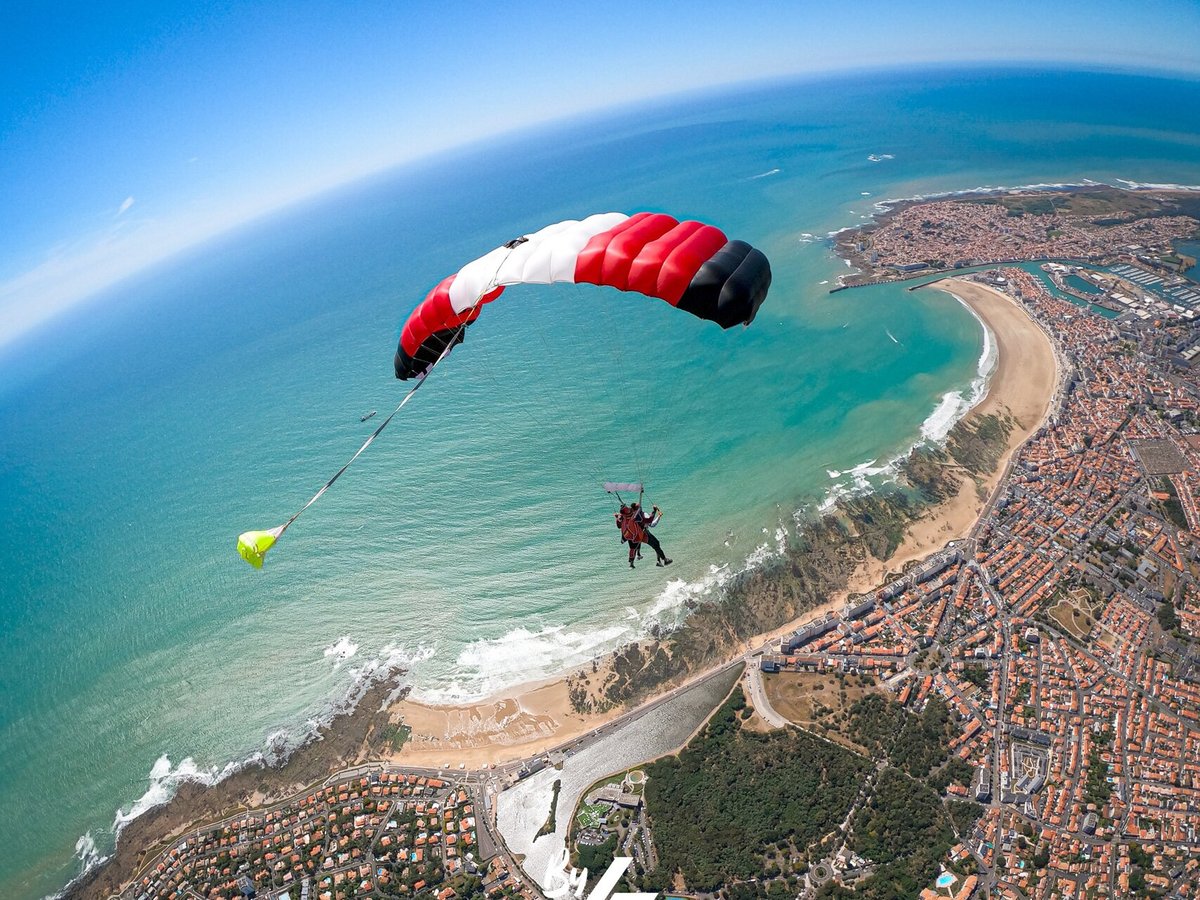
(806, 238)
(341, 650)
(765, 174)
(88, 856)
(485, 667)
(164, 778)
(672, 601)
(861, 479)
(956, 404)
(85, 851)
(1156, 186)
(164, 781)
(880, 157)
(680, 594)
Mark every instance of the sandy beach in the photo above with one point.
(530, 719)
(1022, 385)
(533, 718)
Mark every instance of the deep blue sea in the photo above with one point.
(216, 392)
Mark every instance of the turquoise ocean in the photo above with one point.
(213, 394)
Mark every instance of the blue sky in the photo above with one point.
(131, 130)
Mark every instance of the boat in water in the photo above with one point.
(369, 415)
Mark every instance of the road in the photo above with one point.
(758, 698)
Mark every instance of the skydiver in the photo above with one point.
(635, 525)
(634, 547)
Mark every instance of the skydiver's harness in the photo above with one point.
(631, 529)
(634, 523)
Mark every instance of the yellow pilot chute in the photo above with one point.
(253, 545)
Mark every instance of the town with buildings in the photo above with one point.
(377, 833)
(1064, 632)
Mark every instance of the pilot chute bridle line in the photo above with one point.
(252, 546)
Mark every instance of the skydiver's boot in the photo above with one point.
(664, 562)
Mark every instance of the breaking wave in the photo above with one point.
(487, 667)
(341, 650)
(956, 404)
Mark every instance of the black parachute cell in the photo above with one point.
(745, 290)
(730, 287)
(429, 353)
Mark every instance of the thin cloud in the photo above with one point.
(74, 271)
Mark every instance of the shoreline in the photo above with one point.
(1023, 384)
(534, 717)
(344, 741)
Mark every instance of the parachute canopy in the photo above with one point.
(692, 266)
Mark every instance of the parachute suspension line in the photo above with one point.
(622, 361)
(579, 441)
(253, 545)
(367, 443)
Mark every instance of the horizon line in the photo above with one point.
(178, 242)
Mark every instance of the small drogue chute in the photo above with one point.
(253, 545)
(692, 266)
